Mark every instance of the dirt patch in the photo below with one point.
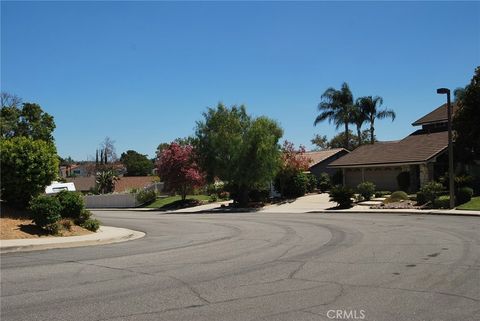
(23, 228)
(397, 205)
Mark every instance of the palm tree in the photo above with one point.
(105, 181)
(358, 118)
(371, 108)
(336, 106)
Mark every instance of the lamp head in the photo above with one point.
(443, 91)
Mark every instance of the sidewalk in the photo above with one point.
(320, 203)
(314, 203)
(105, 235)
(365, 209)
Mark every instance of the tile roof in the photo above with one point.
(320, 156)
(82, 183)
(129, 182)
(417, 147)
(436, 116)
(123, 184)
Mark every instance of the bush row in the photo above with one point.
(47, 211)
(431, 193)
(295, 184)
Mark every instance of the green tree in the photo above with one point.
(467, 119)
(182, 141)
(137, 164)
(29, 121)
(238, 149)
(337, 106)
(27, 167)
(338, 141)
(320, 141)
(371, 109)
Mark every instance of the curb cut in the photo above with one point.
(98, 238)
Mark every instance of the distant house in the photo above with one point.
(320, 160)
(124, 184)
(86, 169)
(422, 154)
(74, 170)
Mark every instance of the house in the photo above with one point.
(421, 154)
(320, 160)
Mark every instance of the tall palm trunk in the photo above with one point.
(359, 134)
(347, 138)
(372, 131)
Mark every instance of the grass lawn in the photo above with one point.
(164, 202)
(474, 204)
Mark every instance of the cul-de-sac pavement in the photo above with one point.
(256, 266)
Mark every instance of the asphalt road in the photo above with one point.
(256, 267)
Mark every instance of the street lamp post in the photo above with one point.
(450, 146)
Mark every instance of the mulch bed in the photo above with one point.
(15, 224)
(401, 205)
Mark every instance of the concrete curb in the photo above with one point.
(422, 212)
(404, 212)
(105, 235)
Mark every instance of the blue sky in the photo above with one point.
(142, 73)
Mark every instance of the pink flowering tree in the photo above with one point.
(177, 168)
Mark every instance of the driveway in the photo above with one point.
(312, 202)
(256, 266)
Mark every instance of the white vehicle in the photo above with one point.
(56, 187)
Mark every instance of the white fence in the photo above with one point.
(111, 201)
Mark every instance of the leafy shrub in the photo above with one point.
(291, 184)
(403, 180)
(382, 193)
(464, 195)
(84, 216)
(342, 195)
(397, 196)
(324, 182)
(312, 182)
(213, 198)
(300, 185)
(421, 199)
(53, 228)
(366, 190)
(215, 188)
(72, 204)
(442, 202)
(91, 224)
(46, 212)
(431, 190)
(27, 167)
(463, 181)
(146, 196)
